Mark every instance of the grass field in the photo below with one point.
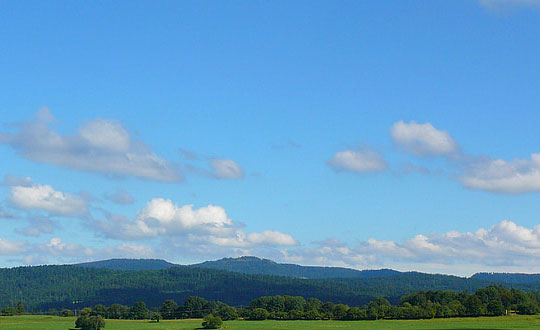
(501, 323)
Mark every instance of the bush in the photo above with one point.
(66, 312)
(86, 322)
(212, 322)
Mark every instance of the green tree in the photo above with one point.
(155, 316)
(20, 308)
(258, 314)
(212, 322)
(138, 311)
(495, 307)
(117, 311)
(94, 322)
(99, 310)
(227, 312)
(168, 309)
(473, 306)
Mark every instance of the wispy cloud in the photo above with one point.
(360, 160)
(101, 145)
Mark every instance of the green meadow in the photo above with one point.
(503, 323)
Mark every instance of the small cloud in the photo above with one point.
(45, 198)
(226, 169)
(121, 197)
(422, 139)
(357, 161)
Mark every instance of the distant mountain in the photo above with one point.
(513, 278)
(254, 265)
(129, 264)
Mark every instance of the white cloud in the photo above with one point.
(357, 161)
(503, 246)
(422, 139)
(208, 225)
(226, 169)
(101, 145)
(44, 197)
(8, 247)
(497, 175)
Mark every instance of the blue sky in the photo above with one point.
(360, 134)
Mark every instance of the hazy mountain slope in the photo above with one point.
(129, 264)
(254, 265)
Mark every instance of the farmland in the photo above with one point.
(28, 322)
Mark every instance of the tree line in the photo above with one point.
(488, 301)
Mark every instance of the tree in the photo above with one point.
(473, 305)
(117, 311)
(94, 322)
(139, 311)
(155, 316)
(258, 314)
(20, 308)
(212, 322)
(227, 312)
(168, 309)
(495, 307)
(99, 310)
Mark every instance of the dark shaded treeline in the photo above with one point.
(43, 287)
(489, 301)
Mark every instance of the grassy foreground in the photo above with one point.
(503, 323)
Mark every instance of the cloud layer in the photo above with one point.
(503, 245)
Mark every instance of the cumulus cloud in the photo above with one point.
(497, 175)
(422, 139)
(226, 169)
(208, 225)
(45, 198)
(101, 145)
(121, 197)
(504, 245)
(357, 161)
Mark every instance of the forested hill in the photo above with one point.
(129, 264)
(254, 265)
(516, 278)
(44, 287)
